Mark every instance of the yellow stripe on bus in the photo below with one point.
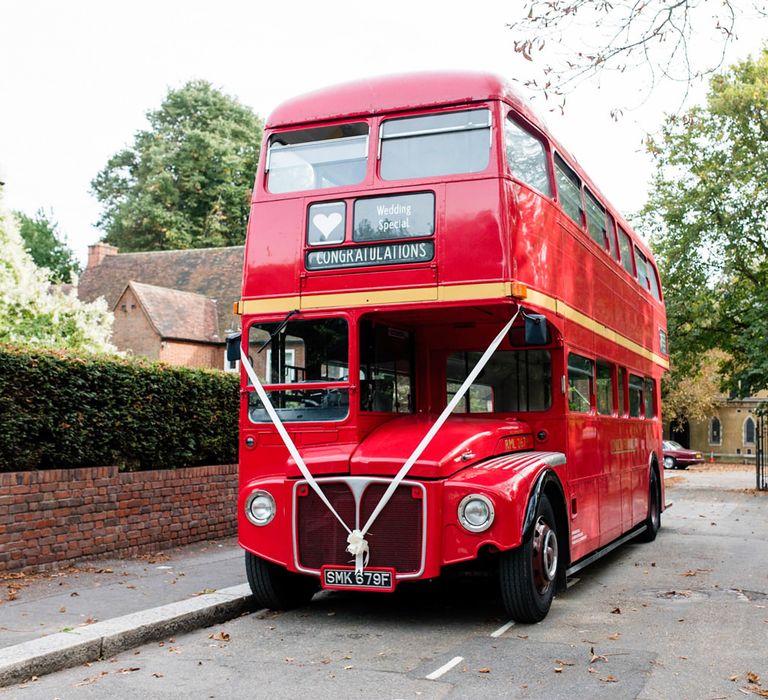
(454, 292)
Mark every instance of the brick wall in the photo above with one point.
(65, 514)
(132, 329)
(188, 354)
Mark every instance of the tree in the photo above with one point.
(655, 40)
(33, 314)
(44, 243)
(186, 182)
(706, 217)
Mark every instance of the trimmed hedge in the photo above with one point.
(62, 411)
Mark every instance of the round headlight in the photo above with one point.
(260, 508)
(476, 512)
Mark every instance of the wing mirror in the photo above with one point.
(536, 331)
(233, 347)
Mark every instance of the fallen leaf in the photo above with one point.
(616, 611)
(564, 663)
(525, 636)
(62, 610)
(74, 594)
(614, 636)
(348, 668)
(220, 636)
(128, 670)
(205, 591)
(760, 692)
(753, 678)
(596, 657)
(157, 675)
(733, 678)
(591, 670)
(610, 679)
(104, 571)
(90, 620)
(289, 659)
(485, 669)
(558, 669)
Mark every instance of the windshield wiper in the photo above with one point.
(277, 330)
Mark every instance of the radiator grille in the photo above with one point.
(395, 538)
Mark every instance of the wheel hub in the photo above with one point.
(544, 555)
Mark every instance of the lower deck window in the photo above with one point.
(580, 383)
(511, 381)
(386, 369)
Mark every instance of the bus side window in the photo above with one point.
(649, 394)
(596, 221)
(610, 236)
(604, 389)
(654, 280)
(526, 157)
(642, 269)
(580, 383)
(625, 248)
(569, 191)
(622, 391)
(635, 396)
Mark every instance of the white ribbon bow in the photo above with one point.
(357, 546)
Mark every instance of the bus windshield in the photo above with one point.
(302, 352)
(315, 159)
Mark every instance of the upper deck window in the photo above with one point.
(432, 145)
(315, 159)
(526, 157)
(642, 269)
(596, 221)
(569, 189)
(653, 279)
(625, 248)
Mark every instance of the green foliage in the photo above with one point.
(31, 313)
(706, 216)
(44, 243)
(60, 411)
(186, 182)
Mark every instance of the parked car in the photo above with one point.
(677, 457)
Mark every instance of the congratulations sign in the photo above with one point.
(364, 256)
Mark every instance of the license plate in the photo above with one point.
(346, 578)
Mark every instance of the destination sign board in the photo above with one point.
(394, 216)
(365, 256)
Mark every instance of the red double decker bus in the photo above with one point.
(452, 347)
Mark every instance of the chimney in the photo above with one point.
(98, 251)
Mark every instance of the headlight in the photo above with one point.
(476, 512)
(260, 508)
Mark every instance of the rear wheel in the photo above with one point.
(653, 521)
(528, 574)
(277, 588)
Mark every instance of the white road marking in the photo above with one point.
(445, 668)
(502, 629)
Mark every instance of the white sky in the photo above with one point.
(77, 77)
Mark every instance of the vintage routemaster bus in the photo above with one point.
(452, 347)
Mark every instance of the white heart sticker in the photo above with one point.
(326, 224)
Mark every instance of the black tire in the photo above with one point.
(528, 573)
(277, 588)
(670, 463)
(653, 521)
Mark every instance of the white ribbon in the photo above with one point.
(357, 545)
(431, 434)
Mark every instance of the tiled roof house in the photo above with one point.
(173, 305)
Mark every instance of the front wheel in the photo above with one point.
(669, 463)
(277, 588)
(528, 574)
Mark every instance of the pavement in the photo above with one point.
(95, 610)
(87, 611)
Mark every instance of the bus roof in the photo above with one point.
(392, 93)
